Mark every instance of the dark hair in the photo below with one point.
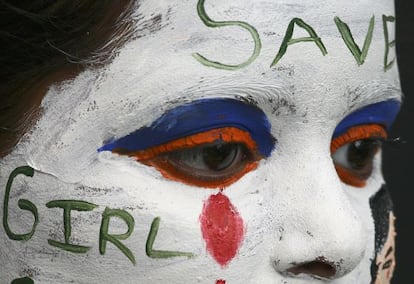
(46, 41)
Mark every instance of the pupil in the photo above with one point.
(361, 152)
(219, 157)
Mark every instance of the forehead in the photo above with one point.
(166, 55)
(157, 70)
(160, 66)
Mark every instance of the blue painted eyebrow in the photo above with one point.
(196, 117)
(383, 113)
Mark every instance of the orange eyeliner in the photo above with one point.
(156, 156)
(358, 133)
(353, 134)
(349, 178)
(170, 172)
(225, 134)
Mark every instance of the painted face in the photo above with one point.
(227, 142)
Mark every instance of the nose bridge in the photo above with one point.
(319, 224)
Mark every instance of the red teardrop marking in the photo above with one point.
(222, 228)
(221, 281)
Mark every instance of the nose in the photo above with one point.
(317, 231)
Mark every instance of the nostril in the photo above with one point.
(319, 267)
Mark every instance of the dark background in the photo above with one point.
(399, 160)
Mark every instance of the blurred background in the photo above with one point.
(398, 163)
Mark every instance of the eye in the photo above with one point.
(357, 156)
(214, 158)
(211, 159)
(210, 165)
(353, 152)
(207, 143)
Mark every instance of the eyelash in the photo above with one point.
(358, 139)
(171, 159)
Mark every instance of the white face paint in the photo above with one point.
(292, 209)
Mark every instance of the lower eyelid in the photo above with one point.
(348, 177)
(170, 172)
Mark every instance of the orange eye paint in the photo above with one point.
(163, 157)
(225, 134)
(358, 133)
(362, 145)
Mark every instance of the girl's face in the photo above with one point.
(227, 142)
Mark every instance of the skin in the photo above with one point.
(294, 206)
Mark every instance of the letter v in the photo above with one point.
(350, 42)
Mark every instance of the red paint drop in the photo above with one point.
(221, 281)
(222, 228)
